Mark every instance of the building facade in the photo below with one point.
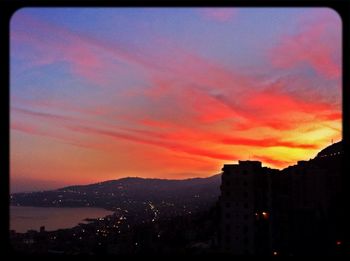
(294, 211)
(245, 207)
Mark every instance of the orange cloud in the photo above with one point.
(267, 142)
(271, 161)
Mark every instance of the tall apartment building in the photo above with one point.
(294, 211)
(245, 206)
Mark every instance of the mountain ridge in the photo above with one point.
(130, 193)
(135, 180)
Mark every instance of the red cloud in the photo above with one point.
(176, 132)
(282, 111)
(25, 128)
(317, 45)
(279, 103)
(154, 123)
(164, 144)
(34, 129)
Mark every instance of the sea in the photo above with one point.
(25, 218)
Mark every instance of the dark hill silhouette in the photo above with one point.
(129, 193)
(134, 184)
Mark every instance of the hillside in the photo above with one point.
(129, 193)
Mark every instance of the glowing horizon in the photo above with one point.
(101, 94)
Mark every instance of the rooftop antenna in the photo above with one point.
(332, 141)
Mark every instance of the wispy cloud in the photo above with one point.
(315, 44)
(218, 14)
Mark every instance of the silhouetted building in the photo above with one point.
(42, 229)
(295, 211)
(245, 203)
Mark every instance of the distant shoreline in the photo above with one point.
(56, 207)
(24, 218)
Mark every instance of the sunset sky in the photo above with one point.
(100, 94)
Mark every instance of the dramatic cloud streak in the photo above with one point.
(167, 145)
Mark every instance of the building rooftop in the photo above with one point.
(244, 163)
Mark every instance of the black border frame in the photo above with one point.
(9, 7)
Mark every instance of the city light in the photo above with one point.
(265, 215)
